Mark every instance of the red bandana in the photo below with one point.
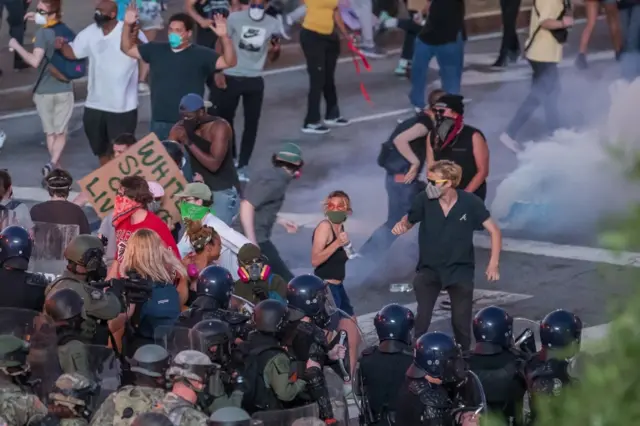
(123, 209)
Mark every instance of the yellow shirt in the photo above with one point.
(319, 17)
(544, 47)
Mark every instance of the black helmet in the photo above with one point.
(307, 294)
(438, 356)
(269, 316)
(15, 247)
(174, 149)
(394, 322)
(152, 419)
(216, 282)
(561, 330)
(63, 305)
(150, 360)
(493, 330)
(212, 334)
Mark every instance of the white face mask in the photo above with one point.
(40, 19)
(256, 13)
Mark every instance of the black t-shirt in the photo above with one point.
(446, 242)
(61, 212)
(444, 22)
(175, 74)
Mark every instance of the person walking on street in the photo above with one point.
(255, 37)
(592, 9)
(16, 10)
(510, 45)
(203, 13)
(448, 218)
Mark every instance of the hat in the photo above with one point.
(453, 102)
(156, 189)
(196, 190)
(191, 103)
(289, 152)
(249, 252)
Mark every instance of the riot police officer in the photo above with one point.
(84, 255)
(19, 288)
(497, 364)
(382, 367)
(148, 367)
(271, 388)
(214, 288)
(65, 309)
(424, 398)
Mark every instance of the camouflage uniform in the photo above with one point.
(122, 407)
(74, 392)
(180, 411)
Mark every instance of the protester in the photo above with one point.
(262, 199)
(122, 143)
(321, 46)
(452, 139)
(510, 45)
(443, 36)
(256, 281)
(206, 249)
(543, 51)
(52, 92)
(12, 212)
(169, 83)
(630, 22)
(254, 36)
(195, 205)
(208, 141)
(58, 210)
(150, 12)
(448, 218)
(411, 27)
(111, 107)
(592, 9)
(203, 13)
(15, 13)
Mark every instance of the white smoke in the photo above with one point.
(568, 183)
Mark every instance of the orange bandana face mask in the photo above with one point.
(123, 208)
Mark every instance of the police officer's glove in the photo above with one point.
(260, 293)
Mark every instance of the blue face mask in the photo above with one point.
(174, 40)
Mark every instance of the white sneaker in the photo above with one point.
(3, 138)
(510, 143)
(143, 87)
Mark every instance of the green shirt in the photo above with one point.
(277, 375)
(277, 285)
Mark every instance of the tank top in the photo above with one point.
(226, 177)
(460, 151)
(208, 8)
(335, 267)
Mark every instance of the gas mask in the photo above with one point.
(256, 271)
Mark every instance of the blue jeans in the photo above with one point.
(162, 129)
(226, 204)
(630, 59)
(341, 298)
(450, 59)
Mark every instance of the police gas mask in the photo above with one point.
(93, 262)
(100, 18)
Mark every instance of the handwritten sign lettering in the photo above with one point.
(146, 158)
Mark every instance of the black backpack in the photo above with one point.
(257, 397)
(389, 158)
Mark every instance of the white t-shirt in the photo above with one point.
(113, 76)
(231, 243)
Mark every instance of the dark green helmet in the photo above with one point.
(63, 305)
(13, 351)
(84, 248)
(150, 360)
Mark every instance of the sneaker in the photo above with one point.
(401, 69)
(581, 61)
(315, 129)
(243, 176)
(285, 25)
(510, 143)
(46, 169)
(373, 52)
(338, 122)
(3, 138)
(143, 87)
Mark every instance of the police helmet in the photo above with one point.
(174, 149)
(307, 294)
(76, 390)
(13, 352)
(394, 322)
(15, 247)
(150, 360)
(63, 305)
(561, 330)
(152, 419)
(212, 336)
(230, 416)
(190, 365)
(88, 252)
(493, 330)
(269, 316)
(216, 282)
(438, 356)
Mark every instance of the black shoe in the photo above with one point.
(581, 62)
(501, 62)
(514, 55)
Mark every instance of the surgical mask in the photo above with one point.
(193, 211)
(100, 18)
(336, 217)
(433, 191)
(256, 13)
(174, 40)
(40, 19)
(154, 206)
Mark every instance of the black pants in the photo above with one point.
(545, 89)
(427, 287)
(509, 10)
(15, 19)
(411, 30)
(321, 53)
(251, 90)
(102, 127)
(275, 261)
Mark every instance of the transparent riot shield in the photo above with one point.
(241, 305)
(526, 335)
(105, 370)
(174, 339)
(286, 417)
(50, 241)
(38, 330)
(8, 217)
(470, 398)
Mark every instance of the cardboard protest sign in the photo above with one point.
(146, 158)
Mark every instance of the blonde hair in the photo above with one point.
(147, 255)
(337, 194)
(448, 170)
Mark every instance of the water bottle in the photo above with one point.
(348, 248)
(401, 288)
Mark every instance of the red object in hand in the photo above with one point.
(355, 54)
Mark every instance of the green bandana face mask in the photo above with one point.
(336, 217)
(193, 211)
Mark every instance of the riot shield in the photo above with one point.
(470, 398)
(174, 339)
(38, 330)
(105, 369)
(49, 243)
(8, 217)
(241, 305)
(526, 335)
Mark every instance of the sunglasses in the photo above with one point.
(436, 181)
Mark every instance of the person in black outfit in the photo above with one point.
(19, 288)
(448, 218)
(382, 367)
(452, 139)
(203, 12)
(510, 46)
(498, 365)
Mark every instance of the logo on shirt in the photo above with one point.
(464, 217)
(252, 39)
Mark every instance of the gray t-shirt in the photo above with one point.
(109, 231)
(266, 192)
(45, 39)
(251, 40)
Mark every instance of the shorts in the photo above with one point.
(102, 127)
(55, 111)
(341, 298)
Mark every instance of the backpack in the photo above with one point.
(131, 401)
(257, 397)
(389, 158)
(162, 309)
(70, 69)
(274, 294)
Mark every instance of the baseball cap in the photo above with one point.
(191, 103)
(196, 190)
(290, 153)
(453, 102)
(156, 189)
